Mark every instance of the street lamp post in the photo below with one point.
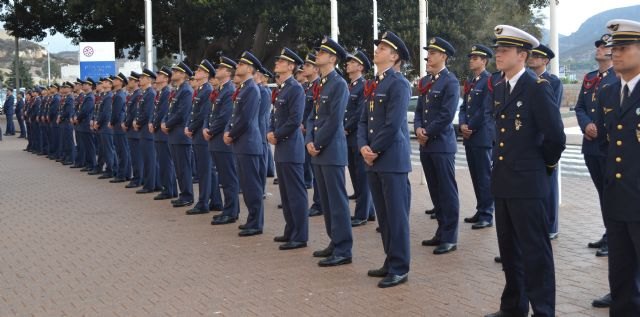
(334, 20)
(148, 34)
(375, 30)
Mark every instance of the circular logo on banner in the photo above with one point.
(88, 51)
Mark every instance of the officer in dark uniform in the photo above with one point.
(620, 103)
(476, 124)
(52, 115)
(42, 122)
(133, 136)
(383, 139)
(529, 142)
(83, 118)
(143, 116)
(588, 112)
(261, 77)
(166, 169)
(98, 93)
(220, 114)
(66, 127)
(9, 111)
(20, 107)
(357, 64)
(285, 134)
(243, 134)
(105, 131)
(122, 170)
(176, 120)
(540, 57)
(199, 114)
(439, 95)
(80, 160)
(327, 145)
(312, 73)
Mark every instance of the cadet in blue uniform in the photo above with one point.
(20, 107)
(261, 77)
(285, 134)
(588, 113)
(222, 109)
(133, 136)
(312, 73)
(439, 95)
(66, 128)
(105, 131)
(477, 127)
(199, 114)
(51, 116)
(80, 160)
(118, 113)
(529, 141)
(538, 61)
(42, 122)
(144, 115)
(357, 65)
(176, 120)
(9, 110)
(83, 118)
(620, 103)
(327, 145)
(243, 134)
(383, 139)
(31, 116)
(166, 169)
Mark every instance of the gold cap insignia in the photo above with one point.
(324, 40)
(498, 30)
(384, 34)
(432, 41)
(473, 48)
(614, 27)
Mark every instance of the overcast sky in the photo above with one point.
(571, 14)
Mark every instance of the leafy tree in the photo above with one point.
(25, 77)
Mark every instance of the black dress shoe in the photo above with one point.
(242, 226)
(275, 181)
(603, 251)
(444, 248)
(602, 302)
(161, 196)
(353, 197)
(324, 253)
(502, 313)
(334, 261)
(58, 160)
(433, 216)
(281, 239)
(223, 220)
(195, 180)
(75, 166)
(132, 185)
(144, 191)
(430, 211)
(215, 208)
(497, 259)
(196, 211)
(249, 232)
(358, 222)
(314, 212)
(279, 206)
(381, 272)
(292, 245)
(596, 245)
(86, 169)
(67, 163)
(105, 176)
(308, 186)
(94, 172)
(371, 218)
(473, 219)
(378, 229)
(433, 242)
(392, 280)
(182, 203)
(481, 225)
(553, 236)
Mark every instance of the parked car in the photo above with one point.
(411, 112)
